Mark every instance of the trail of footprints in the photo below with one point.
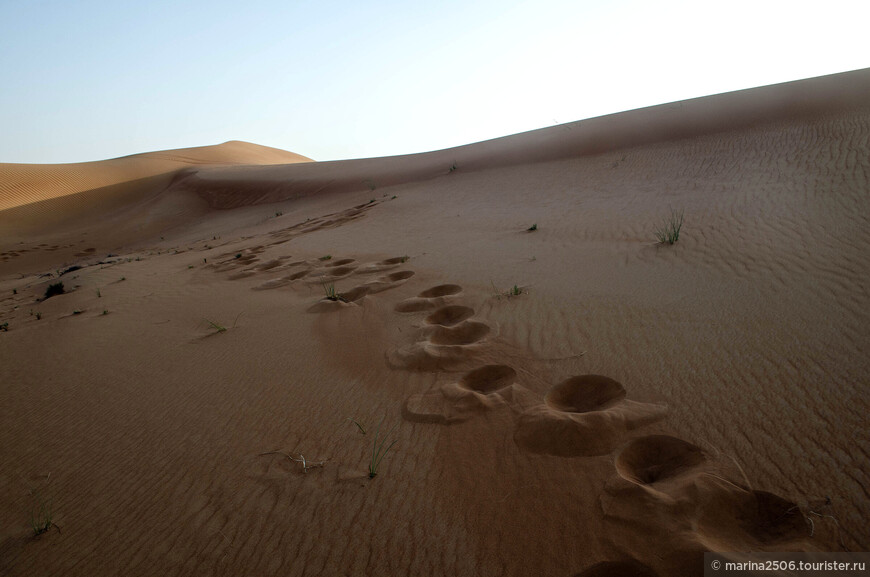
(245, 264)
(582, 416)
(586, 416)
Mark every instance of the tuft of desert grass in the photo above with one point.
(669, 231)
(380, 449)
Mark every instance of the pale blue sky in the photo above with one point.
(87, 80)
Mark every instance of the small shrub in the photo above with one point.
(105, 311)
(453, 167)
(4, 327)
(238, 255)
(77, 312)
(15, 291)
(533, 228)
(326, 257)
(38, 315)
(54, 289)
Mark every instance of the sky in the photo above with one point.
(335, 79)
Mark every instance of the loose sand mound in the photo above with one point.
(573, 400)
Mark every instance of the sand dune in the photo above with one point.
(570, 400)
(27, 183)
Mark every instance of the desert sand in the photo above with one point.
(576, 399)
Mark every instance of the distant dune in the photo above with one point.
(567, 395)
(27, 183)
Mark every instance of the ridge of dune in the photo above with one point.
(232, 187)
(28, 183)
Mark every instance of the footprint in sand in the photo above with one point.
(429, 299)
(734, 519)
(299, 274)
(232, 261)
(440, 347)
(388, 281)
(282, 281)
(272, 284)
(450, 315)
(658, 459)
(679, 483)
(585, 415)
(383, 265)
(327, 275)
(268, 265)
(485, 388)
(450, 337)
(242, 275)
(618, 569)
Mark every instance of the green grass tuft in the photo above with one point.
(378, 449)
(41, 517)
(331, 295)
(514, 291)
(669, 232)
(326, 257)
(533, 228)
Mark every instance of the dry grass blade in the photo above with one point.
(306, 464)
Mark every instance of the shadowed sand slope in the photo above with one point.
(27, 183)
(208, 403)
